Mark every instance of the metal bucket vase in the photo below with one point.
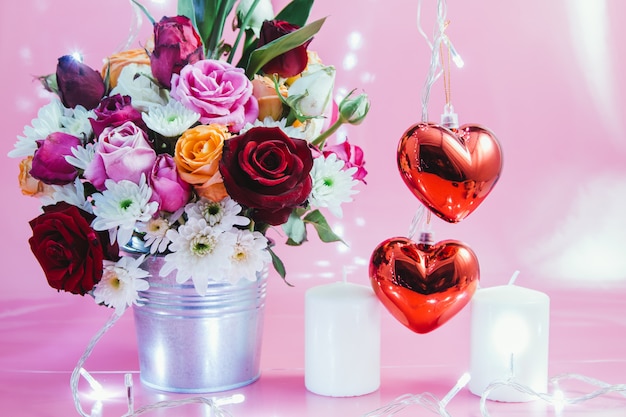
(194, 344)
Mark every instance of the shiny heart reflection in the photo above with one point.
(450, 171)
(423, 285)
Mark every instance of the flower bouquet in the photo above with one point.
(191, 147)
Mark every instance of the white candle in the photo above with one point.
(341, 340)
(509, 339)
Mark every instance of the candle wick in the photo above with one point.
(513, 277)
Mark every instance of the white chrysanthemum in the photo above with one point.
(249, 256)
(72, 193)
(332, 185)
(121, 281)
(82, 156)
(291, 131)
(76, 122)
(48, 120)
(120, 206)
(135, 80)
(222, 215)
(170, 120)
(199, 252)
(155, 231)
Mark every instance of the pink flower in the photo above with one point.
(168, 189)
(352, 155)
(49, 165)
(122, 153)
(115, 111)
(220, 92)
(176, 44)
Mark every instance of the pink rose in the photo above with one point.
(168, 189)
(49, 165)
(220, 92)
(122, 153)
(352, 155)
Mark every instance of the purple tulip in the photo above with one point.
(78, 84)
(176, 44)
(114, 111)
(168, 189)
(49, 165)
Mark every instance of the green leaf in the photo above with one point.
(145, 11)
(295, 229)
(324, 231)
(279, 266)
(279, 46)
(296, 12)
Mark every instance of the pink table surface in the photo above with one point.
(41, 343)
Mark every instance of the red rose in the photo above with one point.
(292, 62)
(69, 251)
(176, 44)
(266, 170)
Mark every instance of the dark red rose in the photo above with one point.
(114, 111)
(266, 170)
(78, 84)
(292, 62)
(176, 44)
(49, 165)
(69, 251)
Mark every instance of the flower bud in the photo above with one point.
(77, 83)
(354, 109)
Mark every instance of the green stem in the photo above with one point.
(244, 25)
(321, 139)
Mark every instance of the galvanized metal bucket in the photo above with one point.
(191, 343)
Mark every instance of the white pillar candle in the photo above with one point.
(341, 340)
(509, 339)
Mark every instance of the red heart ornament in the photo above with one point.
(423, 285)
(450, 171)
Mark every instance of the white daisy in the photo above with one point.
(82, 156)
(332, 185)
(199, 252)
(170, 120)
(222, 215)
(48, 120)
(121, 281)
(291, 131)
(76, 122)
(155, 231)
(72, 193)
(249, 256)
(121, 206)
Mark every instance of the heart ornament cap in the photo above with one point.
(451, 171)
(423, 285)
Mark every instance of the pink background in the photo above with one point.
(546, 77)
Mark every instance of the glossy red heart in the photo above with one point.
(450, 171)
(423, 285)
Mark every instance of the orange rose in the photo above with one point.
(29, 185)
(197, 157)
(116, 62)
(265, 93)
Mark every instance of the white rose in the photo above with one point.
(135, 81)
(311, 94)
(262, 12)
